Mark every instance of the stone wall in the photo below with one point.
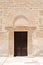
(4, 46)
(10, 10)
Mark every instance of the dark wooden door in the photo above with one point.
(20, 43)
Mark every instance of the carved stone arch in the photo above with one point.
(20, 17)
(11, 30)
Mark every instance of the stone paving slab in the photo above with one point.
(2, 60)
(21, 61)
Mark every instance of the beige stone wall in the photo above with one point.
(4, 46)
(12, 13)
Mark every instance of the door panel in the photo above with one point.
(20, 43)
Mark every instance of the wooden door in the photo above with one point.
(20, 43)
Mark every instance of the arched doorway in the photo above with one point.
(20, 25)
(20, 37)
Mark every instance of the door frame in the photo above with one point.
(11, 31)
(23, 29)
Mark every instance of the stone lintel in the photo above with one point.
(31, 28)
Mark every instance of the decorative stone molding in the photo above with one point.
(11, 38)
(21, 27)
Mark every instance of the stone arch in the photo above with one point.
(20, 18)
(11, 30)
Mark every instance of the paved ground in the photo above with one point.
(21, 61)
